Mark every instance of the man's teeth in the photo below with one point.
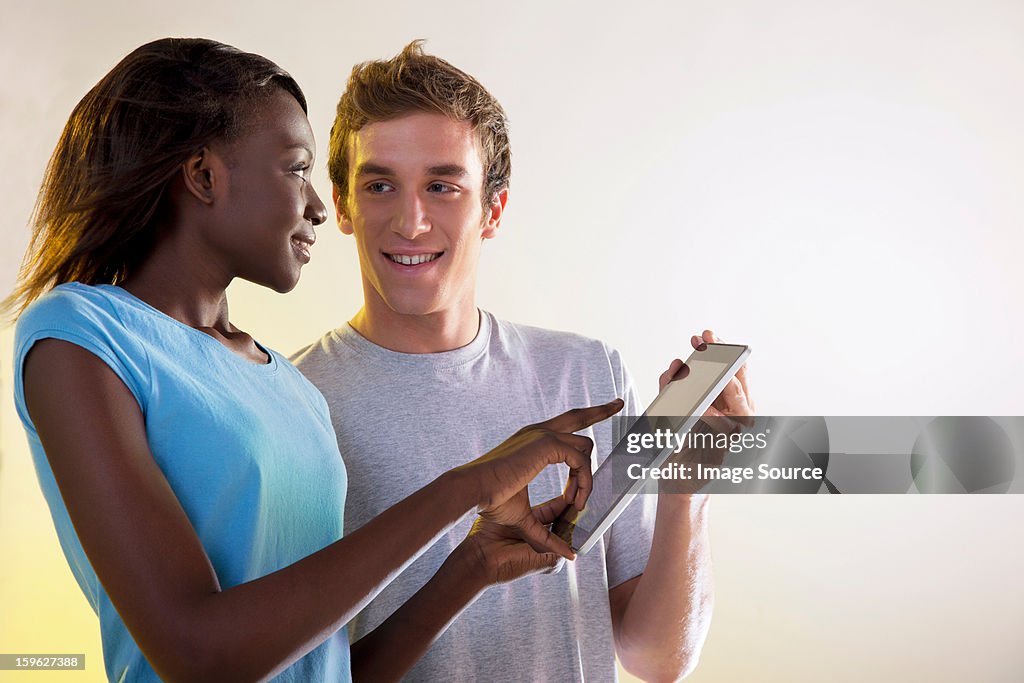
(412, 260)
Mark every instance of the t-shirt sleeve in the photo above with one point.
(83, 319)
(628, 542)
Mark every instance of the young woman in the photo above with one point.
(192, 473)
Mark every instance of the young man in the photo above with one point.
(420, 379)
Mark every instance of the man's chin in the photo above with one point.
(413, 306)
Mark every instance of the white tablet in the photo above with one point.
(677, 408)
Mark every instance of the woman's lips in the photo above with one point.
(301, 248)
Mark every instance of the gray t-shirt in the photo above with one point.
(404, 419)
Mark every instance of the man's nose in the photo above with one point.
(412, 219)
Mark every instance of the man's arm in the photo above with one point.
(661, 618)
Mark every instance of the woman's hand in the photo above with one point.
(500, 477)
(499, 552)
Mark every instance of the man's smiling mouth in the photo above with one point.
(414, 259)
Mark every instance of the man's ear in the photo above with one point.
(494, 213)
(202, 175)
(344, 222)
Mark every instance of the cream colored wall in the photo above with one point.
(835, 184)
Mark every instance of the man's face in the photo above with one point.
(414, 207)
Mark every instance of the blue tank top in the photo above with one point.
(248, 449)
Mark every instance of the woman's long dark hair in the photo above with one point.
(104, 192)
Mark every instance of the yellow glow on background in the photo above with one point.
(42, 610)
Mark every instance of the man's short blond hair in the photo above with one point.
(414, 81)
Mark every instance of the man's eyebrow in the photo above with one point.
(369, 168)
(300, 145)
(450, 170)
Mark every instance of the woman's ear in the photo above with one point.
(199, 175)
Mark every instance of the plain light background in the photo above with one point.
(837, 185)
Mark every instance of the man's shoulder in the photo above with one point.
(336, 356)
(568, 359)
(545, 342)
(318, 355)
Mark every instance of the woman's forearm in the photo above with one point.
(259, 628)
(391, 649)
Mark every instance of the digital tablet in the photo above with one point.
(677, 408)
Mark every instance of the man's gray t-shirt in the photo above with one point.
(404, 419)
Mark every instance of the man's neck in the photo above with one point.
(430, 333)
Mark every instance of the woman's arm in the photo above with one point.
(491, 554)
(152, 565)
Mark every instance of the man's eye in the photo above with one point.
(300, 171)
(440, 188)
(378, 187)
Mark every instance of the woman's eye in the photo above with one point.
(301, 173)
